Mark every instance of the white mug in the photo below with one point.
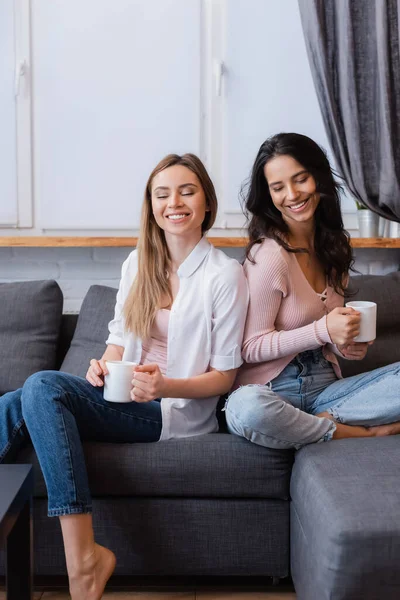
(368, 320)
(118, 381)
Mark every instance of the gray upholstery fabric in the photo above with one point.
(67, 330)
(208, 505)
(177, 536)
(345, 520)
(91, 330)
(385, 291)
(214, 465)
(353, 50)
(30, 317)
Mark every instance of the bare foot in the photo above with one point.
(389, 429)
(347, 431)
(351, 431)
(344, 431)
(89, 580)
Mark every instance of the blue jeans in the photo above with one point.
(281, 413)
(56, 411)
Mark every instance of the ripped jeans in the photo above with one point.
(281, 414)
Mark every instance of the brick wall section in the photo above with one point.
(76, 269)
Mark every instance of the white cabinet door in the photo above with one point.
(116, 87)
(8, 148)
(267, 86)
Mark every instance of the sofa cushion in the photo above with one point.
(67, 330)
(385, 291)
(30, 317)
(91, 329)
(213, 465)
(345, 520)
(164, 540)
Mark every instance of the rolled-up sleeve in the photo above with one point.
(116, 326)
(230, 300)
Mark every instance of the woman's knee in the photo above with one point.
(36, 388)
(251, 405)
(10, 408)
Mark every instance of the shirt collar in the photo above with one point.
(195, 258)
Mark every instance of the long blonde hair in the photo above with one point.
(151, 283)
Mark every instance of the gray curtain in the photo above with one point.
(353, 49)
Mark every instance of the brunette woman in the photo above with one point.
(290, 391)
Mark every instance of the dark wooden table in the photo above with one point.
(16, 488)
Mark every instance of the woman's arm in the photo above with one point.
(116, 327)
(344, 348)
(213, 383)
(353, 351)
(229, 297)
(149, 383)
(116, 338)
(98, 368)
(268, 281)
(113, 352)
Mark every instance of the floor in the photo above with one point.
(188, 595)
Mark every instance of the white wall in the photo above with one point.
(8, 149)
(116, 88)
(268, 86)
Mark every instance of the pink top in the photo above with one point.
(154, 349)
(285, 316)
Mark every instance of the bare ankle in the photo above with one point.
(384, 430)
(88, 583)
(351, 431)
(82, 563)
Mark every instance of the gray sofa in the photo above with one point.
(217, 505)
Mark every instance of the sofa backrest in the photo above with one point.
(91, 330)
(67, 330)
(30, 318)
(88, 340)
(385, 291)
(34, 335)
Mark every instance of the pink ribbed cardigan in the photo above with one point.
(285, 316)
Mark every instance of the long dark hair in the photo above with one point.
(332, 241)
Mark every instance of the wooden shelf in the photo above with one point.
(122, 242)
(99, 242)
(67, 242)
(375, 242)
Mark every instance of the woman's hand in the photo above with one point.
(148, 383)
(355, 351)
(96, 372)
(343, 325)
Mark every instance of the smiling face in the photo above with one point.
(178, 202)
(293, 190)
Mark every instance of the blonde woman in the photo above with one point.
(180, 313)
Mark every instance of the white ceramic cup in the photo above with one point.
(118, 382)
(368, 320)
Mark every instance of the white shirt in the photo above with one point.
(205, 330)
